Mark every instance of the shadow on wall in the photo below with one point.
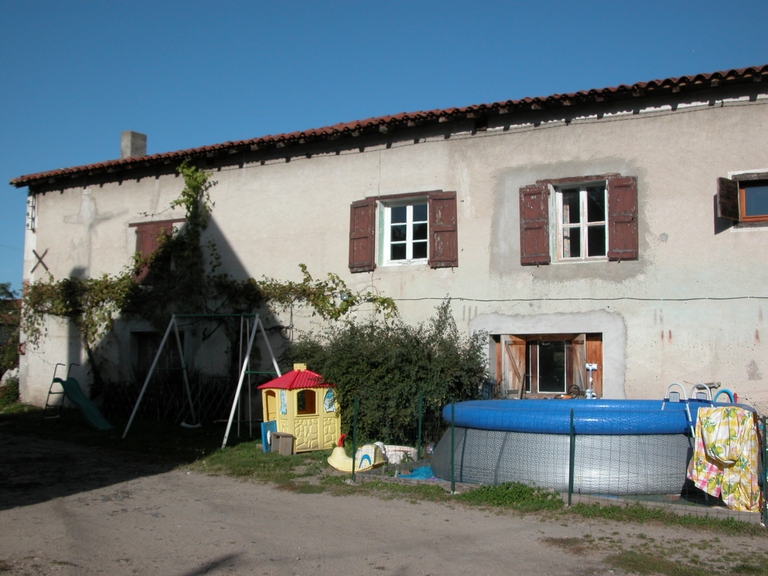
(720, 224)
(213, 350)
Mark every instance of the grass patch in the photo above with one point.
(513, 495)
(573, 545)
(248, 460)
(639, 513)
(641, 563)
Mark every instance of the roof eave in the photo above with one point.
(388, 124)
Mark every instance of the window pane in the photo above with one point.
(399, 214)
(397, 252)
(420, 231)
(571, 242)
(398, 233)
(419, 212)
(571, 213)
(756, 200)
(552, 366)
(595, 204)
(419, 249)
(596, 241)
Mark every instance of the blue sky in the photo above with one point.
(75, 74)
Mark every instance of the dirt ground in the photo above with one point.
(68, 510)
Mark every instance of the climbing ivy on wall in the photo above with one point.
(10, 317)
(187, 278)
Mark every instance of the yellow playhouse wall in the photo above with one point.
(318, 431)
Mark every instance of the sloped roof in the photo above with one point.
(411, 119)
(297, 379)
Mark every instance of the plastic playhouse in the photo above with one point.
(299, 404)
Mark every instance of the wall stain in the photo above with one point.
(669, 335)
(753, 371)
(757, 336)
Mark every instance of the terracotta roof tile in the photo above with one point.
(405, 119)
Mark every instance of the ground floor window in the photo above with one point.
(547, 364)
(144, 347)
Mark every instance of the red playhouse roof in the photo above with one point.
(296, 379)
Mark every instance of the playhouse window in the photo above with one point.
(305, 402)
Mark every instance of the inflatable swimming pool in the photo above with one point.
(622, 446)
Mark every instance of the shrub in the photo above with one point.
(9, 393)
(388, 364)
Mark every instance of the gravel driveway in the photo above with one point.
(65, 509)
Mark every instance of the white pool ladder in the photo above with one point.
(679, 396)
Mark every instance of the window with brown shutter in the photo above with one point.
(416, 229)
(148, 238)
(743, 198)
(593, 218)
(362, 254)
(543, 365)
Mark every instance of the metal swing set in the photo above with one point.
(173, 324)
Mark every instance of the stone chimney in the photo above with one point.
(132, 144)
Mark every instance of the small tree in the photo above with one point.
(388, 364)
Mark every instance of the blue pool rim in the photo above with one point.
(592, 417)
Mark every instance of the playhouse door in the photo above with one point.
(270, 406)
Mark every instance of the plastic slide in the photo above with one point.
(88, 409)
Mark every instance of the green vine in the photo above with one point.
(330, 299)
(184, 277)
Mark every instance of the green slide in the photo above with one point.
(88, 409)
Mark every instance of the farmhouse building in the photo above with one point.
(624, 227)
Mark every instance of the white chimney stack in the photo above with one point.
(132, 144)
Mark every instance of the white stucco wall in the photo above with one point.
(690, 309)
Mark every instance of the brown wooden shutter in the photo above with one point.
(145, 240)
(362, 248)
(146, 244)
(622, 219)
(579, 348)
(515, 348)
(534, 225)
(595, 356)
(148, 236)
(727, 199)
(443, 230)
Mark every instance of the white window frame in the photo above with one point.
(386, 224)
(583, 225)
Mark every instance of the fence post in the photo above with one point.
(453, 442)
(571, 460)
(354, 436)
(421, 417)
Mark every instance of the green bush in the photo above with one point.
(10, 317)
(9, 394)
(388, 364)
